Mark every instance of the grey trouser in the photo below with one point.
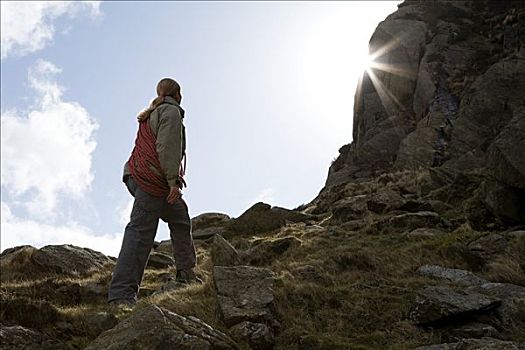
(139, 236)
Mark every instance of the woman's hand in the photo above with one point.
(174, 195)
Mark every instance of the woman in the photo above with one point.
(154, 176)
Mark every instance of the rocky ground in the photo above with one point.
(392, 254)
(384, 268)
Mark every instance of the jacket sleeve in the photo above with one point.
(169, 143)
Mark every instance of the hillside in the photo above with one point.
(417, 240)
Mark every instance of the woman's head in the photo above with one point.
(165, 87)
(169, 87)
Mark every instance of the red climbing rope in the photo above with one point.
(144, 163)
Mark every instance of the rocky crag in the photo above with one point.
(417, 240)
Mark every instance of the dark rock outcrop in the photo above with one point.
(153, 327)
(262, 218)
(446, 90)
(53, 259)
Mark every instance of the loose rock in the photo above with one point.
(223, 253)
(160, 261)
(244, 293)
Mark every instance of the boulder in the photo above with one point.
(511, 311)
(384, 201)
(208, 232)
(262, 218)
(223, 253)
(459, 277)
(70, 260)
(53, 259)
(350, 208)
(153, 327)
(165, 247)
(21, 338)
(244, 293)
(436, 305)
(256, 335)
(160, 261)
(207, 220)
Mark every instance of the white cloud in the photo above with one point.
(267, 196)
(47, 151)
(16, 231)
(123, 212)
(27, 26)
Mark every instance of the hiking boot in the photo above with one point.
(187, 277)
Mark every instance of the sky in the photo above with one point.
(268, 89)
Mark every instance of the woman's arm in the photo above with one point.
(169, 143)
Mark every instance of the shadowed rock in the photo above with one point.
(267, 251)
(439, 304)
(53, 259)
(244, 293)
(473, 330)
(257, 335)
(153, 327)
(160, 261)
(460, 277)
(223, 253)
(20, 338)
(261, 218)
(511, 311)
(207, 220)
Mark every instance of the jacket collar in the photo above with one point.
(170, 100)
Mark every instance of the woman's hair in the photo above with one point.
(165, 87)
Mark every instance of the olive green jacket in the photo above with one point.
(166, 123)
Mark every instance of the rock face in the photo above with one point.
(160, 261)
(207, 225)
(156, 328)
(446, 91)
(261, 218)
(244, 293)
(223, 253)
(53, 259)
